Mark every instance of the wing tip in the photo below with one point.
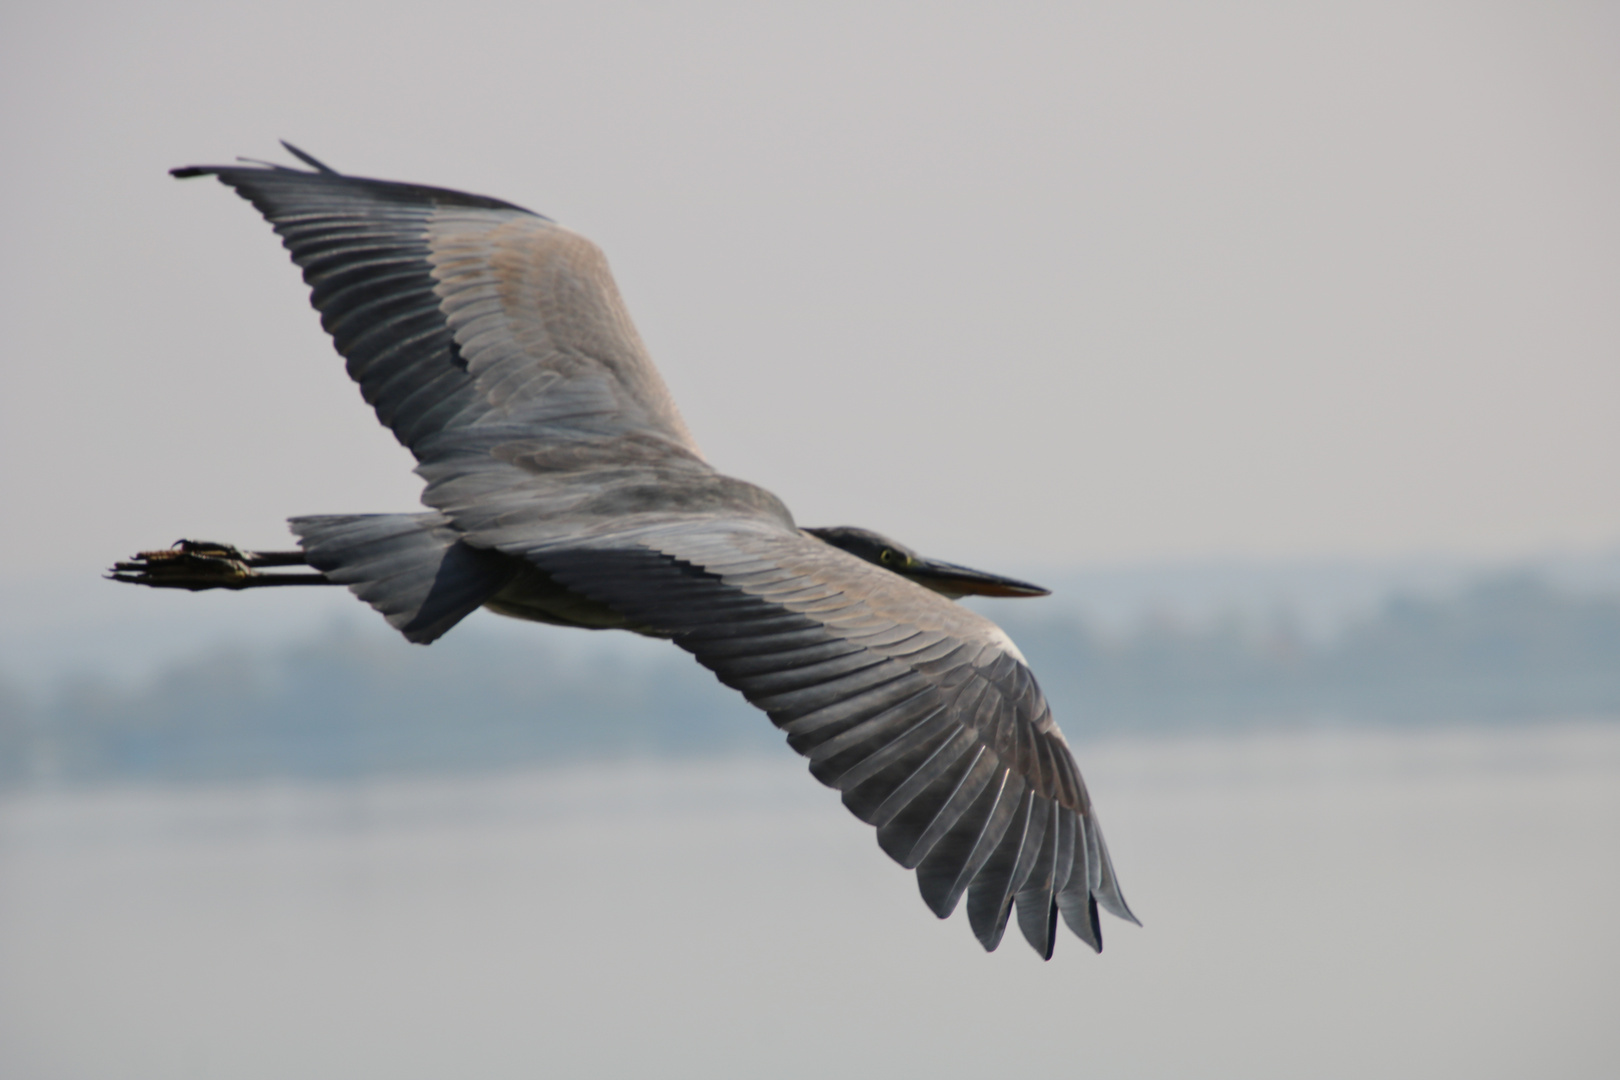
(1113, 901)
(187, 172)
(1037, 920)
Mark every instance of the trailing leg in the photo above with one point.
(203, 564)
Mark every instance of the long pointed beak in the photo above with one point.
(953, 581)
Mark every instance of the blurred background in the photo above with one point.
(1279, 341)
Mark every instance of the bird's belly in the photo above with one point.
(535, 596)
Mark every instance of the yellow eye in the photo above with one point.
(888, 556)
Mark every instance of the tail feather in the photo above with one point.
(413, 568)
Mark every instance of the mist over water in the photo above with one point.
(1332, 905)
(352, 699)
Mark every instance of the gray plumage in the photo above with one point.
(564, 487)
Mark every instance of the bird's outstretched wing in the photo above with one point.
(919, 710)
(495, 345)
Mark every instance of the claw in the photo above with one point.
(189, 564)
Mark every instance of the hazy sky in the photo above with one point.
(1077, 282)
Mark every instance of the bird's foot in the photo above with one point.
(204, 564)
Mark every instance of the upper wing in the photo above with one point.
(458, 312)
(496, 346)
(920, 711)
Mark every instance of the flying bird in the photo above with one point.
(563, 487)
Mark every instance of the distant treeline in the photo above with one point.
(1508, 649)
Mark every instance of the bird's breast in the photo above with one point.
(533, 595)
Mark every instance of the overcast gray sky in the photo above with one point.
(1071, 283)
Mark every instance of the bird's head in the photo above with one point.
(945, 578)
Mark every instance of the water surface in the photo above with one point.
(1330, 905)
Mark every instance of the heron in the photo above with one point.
(562, 486)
